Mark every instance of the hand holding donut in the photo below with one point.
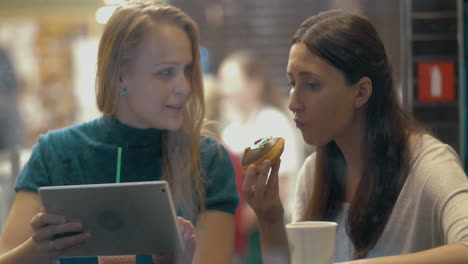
(261, 164)
(263, 149)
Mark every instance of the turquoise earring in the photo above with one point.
(123, 90)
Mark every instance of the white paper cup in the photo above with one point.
(311, 242)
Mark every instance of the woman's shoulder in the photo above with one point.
(434, 161)
(306, 173)
(211, 146)
(303, 191)
(310, 160)
(219, 176)
(307, 169)
(425, 147)
(75, 135)
(214, 155)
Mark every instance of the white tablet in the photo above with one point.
(123, 218)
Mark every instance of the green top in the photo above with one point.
(88, 153)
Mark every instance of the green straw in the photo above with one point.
(119, 163)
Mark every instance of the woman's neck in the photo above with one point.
(351, 144)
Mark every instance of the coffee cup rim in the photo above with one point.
(321, 224)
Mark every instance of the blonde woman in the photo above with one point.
(151, 95)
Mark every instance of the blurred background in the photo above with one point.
(48, 61)
(52, 45)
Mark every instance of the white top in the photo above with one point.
(431, 210)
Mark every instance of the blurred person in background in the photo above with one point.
(251, 108)
(398, 194)
(12, 132)
(213, 113)
(150, 92)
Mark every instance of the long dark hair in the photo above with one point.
(351, 44)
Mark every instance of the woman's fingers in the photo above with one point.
(186, 226)
(192, 243)
(188, 234)
(68, 242)
(272, 184)
(43, 219)
(54, 234)
(257, 183)
(49, 231)
(191, 232)
(249, 181)
(262, 178)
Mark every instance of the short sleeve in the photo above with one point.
(34, 173)
(447, 188)
(455, 218)
(219, 177)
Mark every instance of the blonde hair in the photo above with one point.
(123, 33)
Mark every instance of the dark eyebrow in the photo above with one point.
(304, 74)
